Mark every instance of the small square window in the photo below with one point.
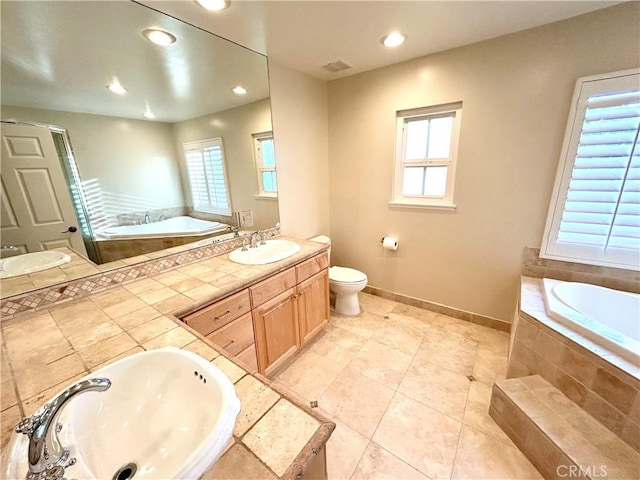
(425, 160)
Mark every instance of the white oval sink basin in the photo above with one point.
(32, 262)
(169, 412)
(273, 251)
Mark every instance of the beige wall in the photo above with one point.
(516, 92)
(235, 126)
(299, 109)
(134, 160)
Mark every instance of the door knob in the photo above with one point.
(70, 230)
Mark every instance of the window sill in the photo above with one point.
(266, 197)
(450, 207)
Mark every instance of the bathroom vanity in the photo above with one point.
(245, 319)
(265, 324)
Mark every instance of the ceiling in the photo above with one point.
(60, 55)
(305, 35)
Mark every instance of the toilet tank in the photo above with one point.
(323, 239)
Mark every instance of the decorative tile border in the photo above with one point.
(443, 309)
(72, 290)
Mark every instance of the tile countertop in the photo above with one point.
(276, 435)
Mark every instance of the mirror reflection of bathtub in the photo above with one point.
(115, 243)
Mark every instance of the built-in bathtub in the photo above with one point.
(610, 318)
(116, 243)
(172, 227)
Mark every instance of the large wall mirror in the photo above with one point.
(168, 154)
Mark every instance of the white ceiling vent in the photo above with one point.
(337, 66)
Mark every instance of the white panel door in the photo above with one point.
(36, 205)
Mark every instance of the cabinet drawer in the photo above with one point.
(219, 314)
(272, 287)
(235, 336)
(310, 267)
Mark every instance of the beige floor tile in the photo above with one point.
(490, 366)
(255, 399)
(378, 464)
(415, 316)
(280, 435)
(377, 305)
(309, 375)
(437, 387)
(338, 344)
(457, 356)
(400, 336)
(357, 401)
(238, 464)
(419, 435)
(381, 363)
(364, 325)
(476, 414)
(344, 450)
(480, 456)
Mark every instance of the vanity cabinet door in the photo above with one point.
(276, 327)
(313, 305)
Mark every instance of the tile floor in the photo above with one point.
(395, 381)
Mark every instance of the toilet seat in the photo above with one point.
(346, 276)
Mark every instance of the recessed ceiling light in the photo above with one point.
(159, 37)
(213, 5)
(239, 90)
(116, 87)
(393, 39)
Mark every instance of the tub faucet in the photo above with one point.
(161, 218)
(147, 218)
(37, 429)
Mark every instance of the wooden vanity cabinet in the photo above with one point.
(276, 327)
(266, 324)
(313, 305)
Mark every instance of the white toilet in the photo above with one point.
(345, 283)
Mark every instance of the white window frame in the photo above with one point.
(257, 151)
(210, 206)
(444, 202)
(551, 247)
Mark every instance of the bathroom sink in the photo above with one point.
(32, 262)
(168, 414)
(272, 251)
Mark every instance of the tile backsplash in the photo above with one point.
(72, 290)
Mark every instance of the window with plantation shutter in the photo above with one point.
(208, 176)
(594, 215)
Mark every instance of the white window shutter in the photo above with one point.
(596, 217)
(207, 176)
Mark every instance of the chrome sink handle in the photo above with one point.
(37, 428)
(262, 236)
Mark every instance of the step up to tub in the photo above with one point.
(556, 435)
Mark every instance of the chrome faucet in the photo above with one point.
(161, 218)
(235, 231)
(262, 236)
(255, 237)
(147, 218)
(37, 429)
